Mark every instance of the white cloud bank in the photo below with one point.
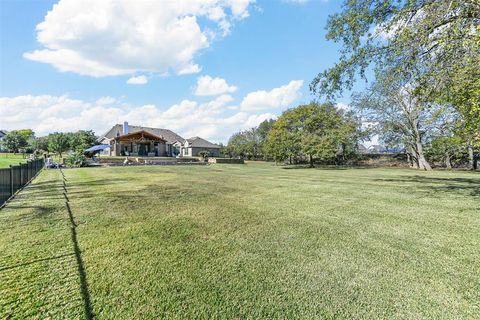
(215, 119)
(123, 37)
(46, 113)
(278, 97)
(208, 86)
(137, 80)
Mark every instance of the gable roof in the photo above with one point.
(197, 142)
(142, 134)
(376, 148)
(166, 134)
(3, 133)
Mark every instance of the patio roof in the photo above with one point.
(139, 137)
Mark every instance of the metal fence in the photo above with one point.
(16, 177)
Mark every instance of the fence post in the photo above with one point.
(21, 175)
(11, 180)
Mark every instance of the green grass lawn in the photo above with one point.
(7, 159)
(243, 242)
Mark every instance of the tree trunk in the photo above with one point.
(311, 161)
(475, 162)
(448, 161)
(422, 162)
(413, 158)
(471, 158)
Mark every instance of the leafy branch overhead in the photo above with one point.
(427, 39)
(425, 51)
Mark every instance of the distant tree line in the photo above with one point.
(428, 133)
(251, 143)
(424, 98)
(57, 143)
(425, 58)
(312, 132)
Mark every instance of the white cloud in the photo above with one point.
(255, 119)
(45, 113)
(105, 100)
(278, 97)
(122, 37)
(138, 80)
(208, 86)
(189, 69)
(343, 106)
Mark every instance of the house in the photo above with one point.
(151, 142)
(3, 133)
(193, 146)
(376, 149)
(362, 149)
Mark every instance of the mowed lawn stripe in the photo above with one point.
(260, 241)
(38, 270)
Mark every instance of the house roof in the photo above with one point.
(166, 134)
(3, 133)
(197, 142)
(139, 135)
(376, 148)
(362, 148)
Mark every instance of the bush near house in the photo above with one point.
(204, 155)
(76, 160)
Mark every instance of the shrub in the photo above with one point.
(204, 155)
(76, 160)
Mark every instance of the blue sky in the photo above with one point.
(206, 69)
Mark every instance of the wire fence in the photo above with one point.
(16, 177)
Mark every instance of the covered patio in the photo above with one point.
(140, 143)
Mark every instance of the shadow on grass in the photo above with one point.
(325, 167)
(35, 261)
(434, 185)
(29, 199)
(87, 305)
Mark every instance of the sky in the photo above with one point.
(200, 68)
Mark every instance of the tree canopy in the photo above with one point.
(431, 46)
(16, 140)
(318, 131)
(58, 142)
(250, 143)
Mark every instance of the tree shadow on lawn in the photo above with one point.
(117, 189)
(27, 263)
(30, 198)
(81, 268)
(326, 167)
(434, 185)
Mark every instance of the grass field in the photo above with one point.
(242, 242)
(7, 159)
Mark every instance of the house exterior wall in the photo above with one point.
(162, 150)
(187, 152)
(118, 148)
